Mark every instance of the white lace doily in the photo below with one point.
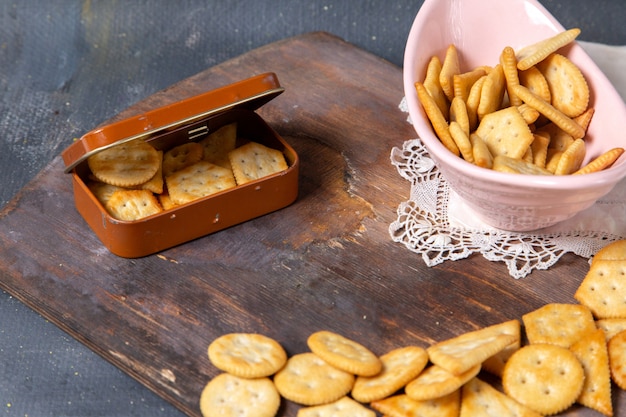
(435, 224)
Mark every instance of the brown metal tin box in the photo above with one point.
(190, 119)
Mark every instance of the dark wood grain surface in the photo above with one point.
(325, 262)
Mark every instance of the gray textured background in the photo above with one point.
(66, 66)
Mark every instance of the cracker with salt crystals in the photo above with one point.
(343, 407)
(180, 157)
(603, 288)
(130, 205)
(248, 355)
(506, 133)
(591, 351)
(435, 382)
(461, 353)
(231, 396)
(545, 378)
(399, 367)
(217, 145)
(479, 398)
(433, 86)
(617, 359)
(125, 165)
(198, 180)
(402, 405)
(254, 160)
(449, 68)
(536, 52)
(569, 91)
(558, 324)
(344, 353)
(307, 379)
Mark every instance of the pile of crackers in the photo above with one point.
(133, 180)
(528, 114)
(570, 354)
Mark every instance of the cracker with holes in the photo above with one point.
(591, 351)
(344, 353)
(231, 396)
(569, 91)
(217, 145)
(180, 157)
(399, 367)
(558, 324)
(343, 407)
(198, 180)
(545, 378)
(254, 160)
(617, 359)
(247, 355)
(307, 379)
(130, 205)
(603, 288)
(481, 399)
(506, 133)
(402, 405)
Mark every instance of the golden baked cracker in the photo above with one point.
(462, 141)
(540, 149)
(247, 355)
(460, 353)
(473, 101)
(603, 288)
(584, 119)
(344, 353)
(449, 68)
(617, 359)
(439, 123)
(130, 205)
(480, 151)
(479, 398)
(534, 80)
(436, 382)
(180, 157)
(458, 113)
(572, 158)
(400, 366)
(462, 83)
(155, 184)
(307, 379)
(343, 407)
(591, 351)
(216, 145)
(433, 86)
(569, 91)
(601, 162)
(611, 327)
(492, 92)
(495, 364)
(543, 377)
(549, 111)
(532, 54)
(529, 114)
(254, 160)
(503, 163)
(166, 201)
(558, 324)
(198, 180)
(528, 156)
(125, 165)
(103, 191)
(505, 132)
(559, 139)
(509, 68)
(614, 251)
(231, 396)
(552, 159)
(402, 405)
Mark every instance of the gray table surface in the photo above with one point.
(66, 66)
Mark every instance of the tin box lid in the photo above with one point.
(251, 94)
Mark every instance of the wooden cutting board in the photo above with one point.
(325, 262)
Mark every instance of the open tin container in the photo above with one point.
(191, 119)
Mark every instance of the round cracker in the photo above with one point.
(125, 165)
(568, 88)
(617, 358)
(247, 355)
(344, 354)
(231, 396)
(307, 379)
(545, 378)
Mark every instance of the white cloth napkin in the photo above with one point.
(436, 224)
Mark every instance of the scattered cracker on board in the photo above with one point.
(231, 396)
(248, 355)
(344, 353)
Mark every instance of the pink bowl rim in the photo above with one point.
(438, 151)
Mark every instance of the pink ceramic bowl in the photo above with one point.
(480, 29)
